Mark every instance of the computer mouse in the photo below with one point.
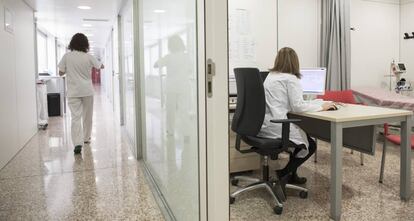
(333, 108)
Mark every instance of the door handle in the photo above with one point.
(211, 71)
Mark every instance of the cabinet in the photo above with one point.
(241, 162)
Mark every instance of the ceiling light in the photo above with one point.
(159, 11)
(87, 25)
(84, 7)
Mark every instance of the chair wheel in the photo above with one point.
(234, 182)
(232, 200)
(278, 210)
(303, 194)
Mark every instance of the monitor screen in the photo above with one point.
(313, 80)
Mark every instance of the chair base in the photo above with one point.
(273, 188)
(269, 186)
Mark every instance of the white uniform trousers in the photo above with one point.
(81, 109)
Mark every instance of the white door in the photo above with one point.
(216, 52)
(120, 70)
(129, 76)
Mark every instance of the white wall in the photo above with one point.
(259, 25)
(296, 23)
(375, 42)
(17, 86)
(276, 24)
(299, 28)
(407, 46)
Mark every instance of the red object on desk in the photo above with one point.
(346, 96)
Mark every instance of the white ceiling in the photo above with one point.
(63, 19)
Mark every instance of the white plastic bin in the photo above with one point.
(42, 114)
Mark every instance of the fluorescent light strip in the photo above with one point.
(84, 7)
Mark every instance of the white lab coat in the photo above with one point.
(77, 66)
(284, 94)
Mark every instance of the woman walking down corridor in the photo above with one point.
(77, 66)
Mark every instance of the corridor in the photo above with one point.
(46, 181)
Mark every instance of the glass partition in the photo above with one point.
(170, 65)
(129, 79)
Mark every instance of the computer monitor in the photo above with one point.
(313, 81)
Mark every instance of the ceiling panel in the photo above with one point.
(63, 19)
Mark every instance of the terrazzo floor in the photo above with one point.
(363, 197)
(45, 181)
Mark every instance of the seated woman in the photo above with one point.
(284, 94)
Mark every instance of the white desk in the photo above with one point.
(357, 116)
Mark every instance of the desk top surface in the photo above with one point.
(351, 112)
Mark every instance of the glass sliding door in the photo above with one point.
(128, 72)
(170, 78)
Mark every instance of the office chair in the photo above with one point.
(346, 97)
(395, 139)
(263, 75)
(247, 122)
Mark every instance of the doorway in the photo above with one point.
(182, 65)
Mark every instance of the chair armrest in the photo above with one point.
(285, 129)
(286, 121)
(238, 143)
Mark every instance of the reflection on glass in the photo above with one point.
(171, 103)
(178, 66)
(129, 73)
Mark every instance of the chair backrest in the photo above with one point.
(251, 104)
(264, 74)
(346, 96)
